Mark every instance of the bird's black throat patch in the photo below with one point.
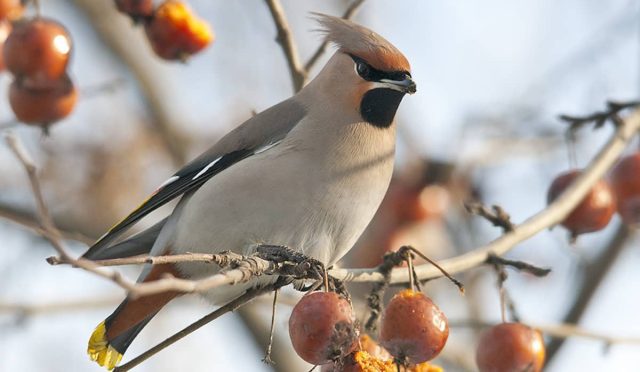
(379, 106)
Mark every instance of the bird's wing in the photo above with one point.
(139, 243)
(253, 136)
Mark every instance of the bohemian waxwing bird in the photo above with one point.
(308, 173)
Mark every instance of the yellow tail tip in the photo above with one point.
(99, 349)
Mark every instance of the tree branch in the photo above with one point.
(285, 39)
(28, 220)
(559, 331)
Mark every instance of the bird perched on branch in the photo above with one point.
(308, 173)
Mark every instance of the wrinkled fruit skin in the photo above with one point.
(595, 210)
(135, 8)
(625, 181)
(413, 327)
(510, 347)
(322, 327)
(38, 48)
(11, 9)
(175, 33)
(43, 105)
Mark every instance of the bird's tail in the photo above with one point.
(112, 337)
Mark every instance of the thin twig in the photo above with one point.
(348, 14)
(502, 277)
(49, 230)
(231, 306)
(518, 265)
(28, 220)
(444, 272)
(561, 331)
(267, 358)
(221, 259)
(285, 39)
(496, 215)
(31, 309)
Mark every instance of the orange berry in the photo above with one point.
(37, 48)
(11, 9)
(625, 181)
(414, 329)
(175, 33)
(322, 327)
(42, 105)
(595, 210)
(510, 347)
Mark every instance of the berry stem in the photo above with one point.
(570, 138)
(267, 357)
(36, 5)
(326, 280)
(411, 274)
(443, 271)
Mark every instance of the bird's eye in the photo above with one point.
(362, 69)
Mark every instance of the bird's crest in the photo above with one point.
(362, 42)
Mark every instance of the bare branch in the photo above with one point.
(496, 215)
(285, 39)
(518, 265)
(322, 49)
(28, 220)
(557, 331)
(48, 229)
(31, 309)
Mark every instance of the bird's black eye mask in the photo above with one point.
(371, 74)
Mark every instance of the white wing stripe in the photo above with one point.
(206, 168)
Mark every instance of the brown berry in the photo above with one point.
(42, 105)
(37, 49)
(625, 181)
(595, 210)
(11, 9)
(510, 347)
(175, 33)
(135, 8)
(414, 329)
(322, 327)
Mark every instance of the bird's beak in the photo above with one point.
(406, 85)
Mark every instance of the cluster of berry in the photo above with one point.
(36, 52)
(174, 32)
(323, 332)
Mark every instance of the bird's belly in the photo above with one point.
(277, 201)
